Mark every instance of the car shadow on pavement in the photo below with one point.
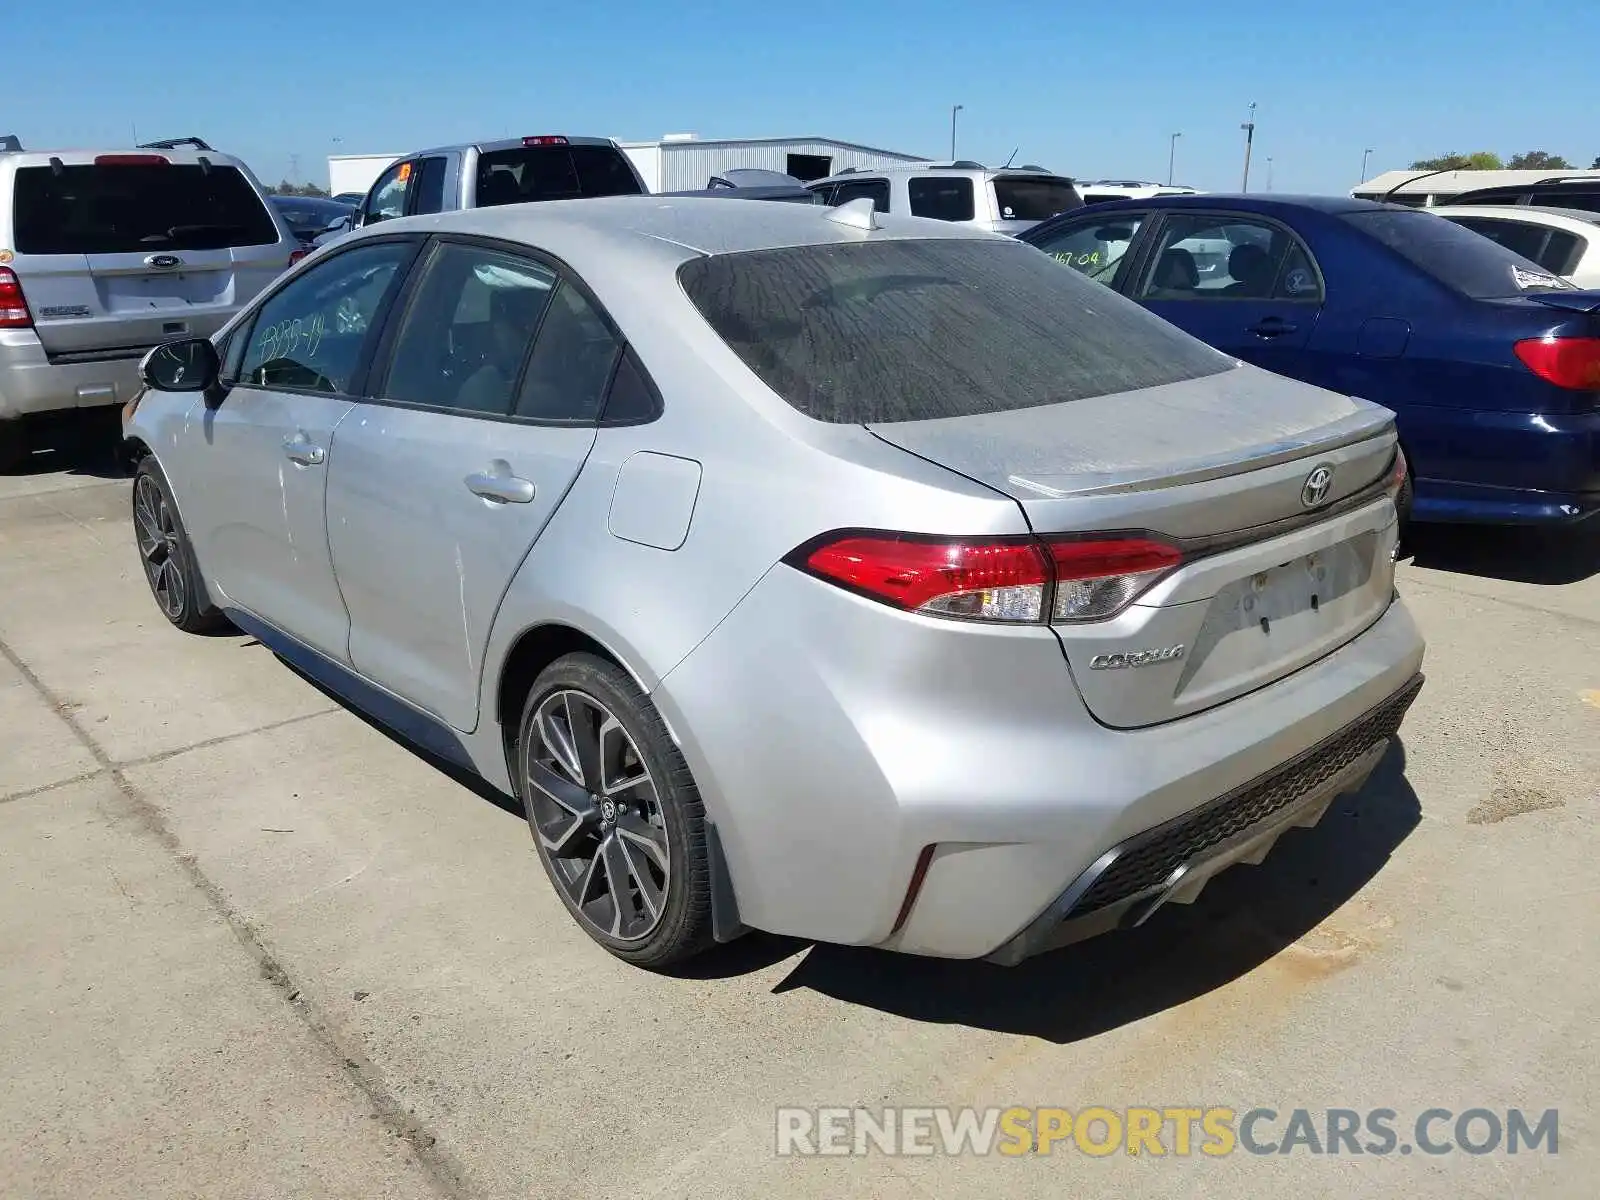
(1245, 917)
(1521, 554)
(84, 442)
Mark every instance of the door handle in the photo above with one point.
(501, 488)
(299, 450)
(1273, 327)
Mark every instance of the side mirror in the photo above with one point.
(189, 365)
(338, 224)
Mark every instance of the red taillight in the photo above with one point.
(1397, 473)
(131, 160)
(14, 312)
(296, 255)
(545, 139)
(998, 579)
(1569, 362)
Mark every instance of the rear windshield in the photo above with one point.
(131, 208)
(553, 173)
(1456, 257)
(1034, 199)
(913, 330)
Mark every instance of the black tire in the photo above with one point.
(167, 556)
(13, 444)
(655, 829)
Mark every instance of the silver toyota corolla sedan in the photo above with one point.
(863, 579)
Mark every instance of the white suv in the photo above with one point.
(1564, 241)
(1001, 200)
(104, 254)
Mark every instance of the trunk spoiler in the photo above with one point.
(1574, 301)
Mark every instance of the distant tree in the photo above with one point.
(311, 189)
(1478, 160)
(285, 188)
(1538, 160)
(1595, 165)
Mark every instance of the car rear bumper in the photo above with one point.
(1503, 467)
(841, 760)
(1173, 862)
(31, 383)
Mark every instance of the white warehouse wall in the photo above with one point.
(356, 172)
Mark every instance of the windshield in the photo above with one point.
(1034, 198)
(911, 330)
(309, 215)
(553, 173)
(128, 208)
(1458, 258)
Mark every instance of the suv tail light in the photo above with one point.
(296, 255)
(1013, 580)
(131, 160)
(1569, 362)
(14, 312)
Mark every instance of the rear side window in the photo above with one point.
(876, 190)
(1563, 197)
(1456, 257)
(136, 208)
(1025, 198)
(1553, 249)
(528, 173)
(911, 330)
(944, 199)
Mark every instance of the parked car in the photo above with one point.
(1491, 363)
(1099, 191)
(104, 254)
(353, 199)
(679, 521)
(308, 217)
(1557, 191)
(487, 174)
(1564, 241)
(751, 183)
(1007, 200)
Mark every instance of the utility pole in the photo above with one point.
(1172, 156)
(954, 109)
(1269, 172)
(1249, 128)
(294, 169)
(1364, 156)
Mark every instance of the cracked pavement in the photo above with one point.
(251, 946)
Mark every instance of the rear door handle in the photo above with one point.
(299, 449)
(503, 488)
(1273, 327)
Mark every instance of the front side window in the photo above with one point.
(1205, 257)
(389, 194)
(1095, 248)
(947, 198)
(309, 335)
(430, 186)
(136, 208)
(467, 330)
(916, 329)
(876, 190)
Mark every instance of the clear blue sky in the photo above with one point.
(1090, 89)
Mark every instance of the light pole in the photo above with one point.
(1364, 155)
(1249, 128)
(1269, 172)
(1172, 155)
(954, 109)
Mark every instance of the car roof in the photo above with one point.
(514, 143)
(940, 168)
(679, 227)
(1540, 214)
(83, 158)
(1269, 204)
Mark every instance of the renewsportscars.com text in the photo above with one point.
(1206, 1132)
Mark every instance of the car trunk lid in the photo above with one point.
(1274, 492)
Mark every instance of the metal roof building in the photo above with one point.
(1442, 189)
(681, 161)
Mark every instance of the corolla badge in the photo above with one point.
(1317, 486)
(1135, 658)
(163, 262)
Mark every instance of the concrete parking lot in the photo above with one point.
(250, 946)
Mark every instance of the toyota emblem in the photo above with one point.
(163, 262)
(1317, 486)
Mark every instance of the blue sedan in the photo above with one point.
(1491, 364)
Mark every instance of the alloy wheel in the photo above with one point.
(597, 814)
(158, 535)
